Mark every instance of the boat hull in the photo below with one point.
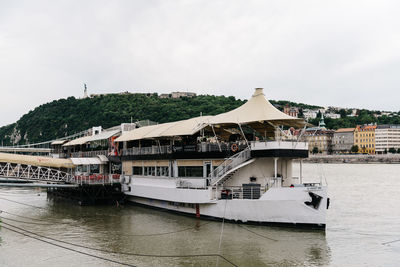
(278, 206)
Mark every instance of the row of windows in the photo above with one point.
(365, 140)
(365, 135)
(190, 171)
(368, 146)
(151, 171)
(183, 171)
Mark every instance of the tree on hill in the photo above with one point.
(68, 116)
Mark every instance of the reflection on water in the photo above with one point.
(133, 229)
(364, 214)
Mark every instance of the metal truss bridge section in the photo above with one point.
(35, 174)
(44, 176)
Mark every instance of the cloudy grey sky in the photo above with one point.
(340, 53)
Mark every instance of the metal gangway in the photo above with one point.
(13, 174)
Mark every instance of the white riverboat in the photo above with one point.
(235, 166)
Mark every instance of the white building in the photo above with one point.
(332, 115)
(386, 137)
(182, 94)
(310, 114)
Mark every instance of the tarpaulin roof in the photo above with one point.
(36, 160)
(87, 161)
(78, 141)
(86, 139)
(177, 128)
(257, 109)
(257, 112)
(59, 142)
(104, 135)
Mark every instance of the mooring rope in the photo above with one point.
(74, 224)
(67, 248)
(390, 242)
(29, 205)
(222, 232)
(108, 251)
(266, 237)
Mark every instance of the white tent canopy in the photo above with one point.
(87, 161)
(177, 128)
(257, 109)
(104, 135)
(78, 141)
(58, 142)
(86, 139)
(36, 160)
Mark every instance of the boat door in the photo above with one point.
(207, 170)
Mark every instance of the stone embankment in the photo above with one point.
(388, 158)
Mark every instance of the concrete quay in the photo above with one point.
(386, 159)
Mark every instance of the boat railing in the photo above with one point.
(88, 154)
(188, 183)
(147, 150)
(229, 164)
(240, 192)
(200, 147)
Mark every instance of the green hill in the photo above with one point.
(68, 116)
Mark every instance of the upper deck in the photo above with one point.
(205, 150)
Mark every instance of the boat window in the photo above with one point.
(94, 169)
(137, 170)
(190, 171)
(82, 168)
(163, 171)
(147, 171)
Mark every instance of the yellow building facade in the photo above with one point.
(364, 138)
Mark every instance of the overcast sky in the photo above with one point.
(331, 53)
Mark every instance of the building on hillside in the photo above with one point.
(332, 116)
(319, 138)
(387, 137)
(177, 95)
(364, 138)
(310, 114)
(165, 96)
(343, 140)
(353, 113)
(291, 111)
(182, 94)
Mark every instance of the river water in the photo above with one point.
(363, 229)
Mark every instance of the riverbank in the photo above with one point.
(386, 159)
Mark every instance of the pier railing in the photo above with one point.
(97, 179)
(33, 173)
(88, 154)
(48, 175)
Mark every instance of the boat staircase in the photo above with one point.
(230, 166)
